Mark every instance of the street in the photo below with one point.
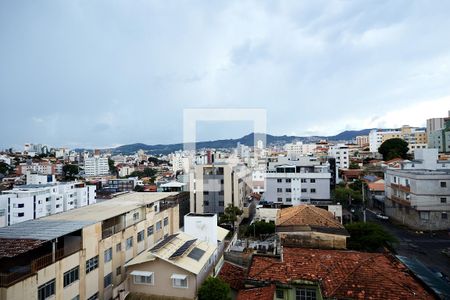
(422, 246)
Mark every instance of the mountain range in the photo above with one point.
(231, 143)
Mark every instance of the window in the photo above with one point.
(135, 216)
(140, 236)
(143, 279)
(19, 205)
(129, 243)
(166, 221)
(312, 190)
(312, 180)
(279, 294)
(303, 180)
(205, 192)
(279, 190)
(149, 230)
(91, 264)
(46, 290)
(444, 200)
(443, 184)
(107, 280)
(444, 216)
(93, 297)
(288, 190)
(279, 180)
(118, 271)
(179, 281)
(288, 200)
(279, 199)
(108, 255)
(304, 191)
(118, 247)
(158, 225)
(288, 180)
(21, 214)
(305, 294)
(424, 215)
(71, 276)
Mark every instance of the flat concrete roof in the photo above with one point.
(110, 208)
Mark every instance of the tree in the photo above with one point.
(70, 171)
(149, 172)
(4, 168)
(112, 167)
(368, 236)
(214, 288)
(260, 227)
(139, 188)
(345, 195)
(353, 165)
(394, 148)
(231, 214)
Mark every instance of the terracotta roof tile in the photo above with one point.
(341, 274)
(260, 293)
(309, 215)
(233, 275)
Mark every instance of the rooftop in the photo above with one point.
(260, 293)
(233, 274)
(341, 274)
(309, 215)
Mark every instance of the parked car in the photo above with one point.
(381, 216)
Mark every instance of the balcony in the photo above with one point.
(404, 188)
(400, 200)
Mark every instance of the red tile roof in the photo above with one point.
(261, 293)
(341, 274)
(14, 247)
(233, 275)
(307, 215)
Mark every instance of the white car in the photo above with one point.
(381, 216)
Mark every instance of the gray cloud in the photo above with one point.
(103, 73)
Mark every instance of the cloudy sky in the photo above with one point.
(102, 73)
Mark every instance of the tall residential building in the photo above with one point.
(28, 202)
(439, 134)
(415, 136)
(215, 186)
(341, 154)
(96, 166)
(298, 149)
(362, 140)
(36, 167)
(81, 254)
(300, 181)
(418, 194)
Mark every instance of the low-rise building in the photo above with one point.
(418, 193)
(81, 254)
(310, 226)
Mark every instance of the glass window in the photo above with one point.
(108, 255)
(313, 190)
(444, 200)
(107, 280)
(140, 236)
(279, 199)
(288, 190)
(312, 180)
(279, 180)
(180, 283)
(288, 180)
(158, 225)
(129, 243)
(279, 190)
(118, 271)
(305, 294)
(46, 290)
(138, 279)
(444, 216)
(288, 200)
(91, 264)
(443, 184)
(118, 247)
(279, 294)
(166, 221)
(71, 276)
(93, 297)
(221, 203)
(303, 180)
(149, 230)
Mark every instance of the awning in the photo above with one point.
(178, 276)
(141, 273)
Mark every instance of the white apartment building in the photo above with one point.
(341, 155)
(258, 181)
(180, 163)
(300, 181)
(298, 149)
(96, 166)
(28, 202)
(418, 194)
(36, 167)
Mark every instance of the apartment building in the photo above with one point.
(215, 186)
(298, 149)
(36, 167)
(300, 181)
(362, 140)
(440, 137)
(28, 202)
(412, 135)
(96, 166)
(341, 154)
(81, 254)
(418, 194)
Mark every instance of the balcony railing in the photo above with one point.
(404, 188)
(8, 279)
(400, 200)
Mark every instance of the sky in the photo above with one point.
(105, 73)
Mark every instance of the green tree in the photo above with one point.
(353, 165)
(394, 148)
(70, 171)
(346, 195)
(149, 172)
(230, 215)
(214, 288)
(367, 236)
(4, 168)
(112, 167)
(260, 227)
(139, 188)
